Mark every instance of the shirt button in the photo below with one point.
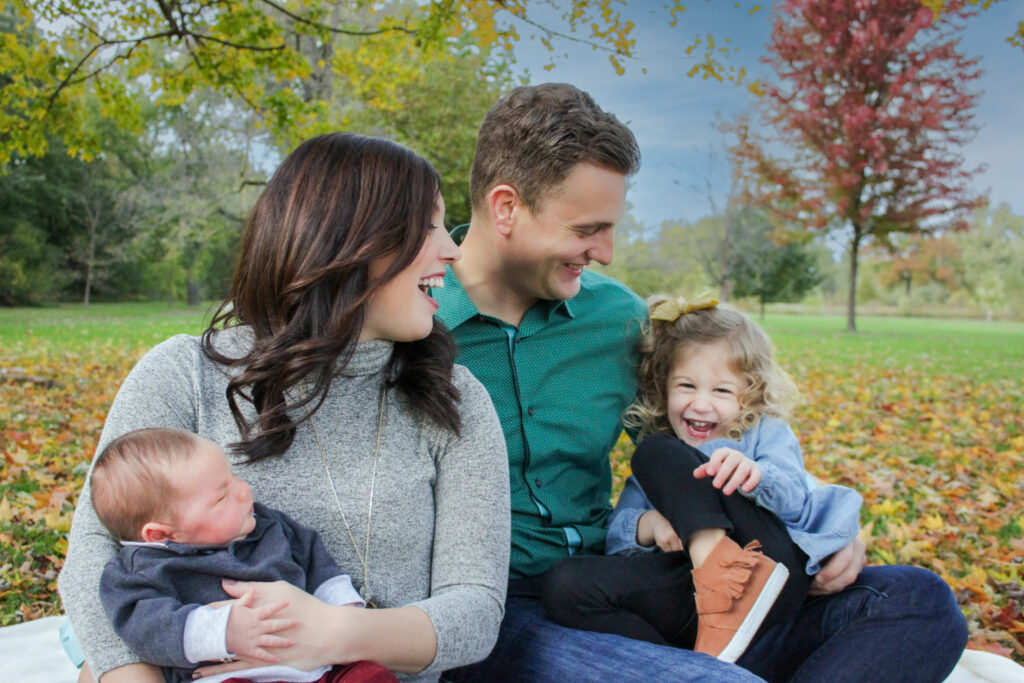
(537, 482)
(529, 411)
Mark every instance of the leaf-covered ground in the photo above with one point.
(924, 418)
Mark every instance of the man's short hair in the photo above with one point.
(535, 135)
(131, 480)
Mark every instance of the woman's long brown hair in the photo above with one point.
(337, 203)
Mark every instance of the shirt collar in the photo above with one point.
(457, 307)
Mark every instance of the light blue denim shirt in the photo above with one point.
(820, 518)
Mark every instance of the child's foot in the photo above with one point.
(736, 587)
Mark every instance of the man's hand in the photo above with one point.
(250, 629)
(652, 528)
(841, 569)
(732, 470)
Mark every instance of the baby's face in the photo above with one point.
(213, 506)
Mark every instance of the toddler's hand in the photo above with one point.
(732, 470)
(652, 528)
(249, 629)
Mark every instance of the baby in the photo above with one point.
(186, 523)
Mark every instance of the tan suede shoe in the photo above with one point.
(736, 587)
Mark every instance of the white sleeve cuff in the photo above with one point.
(339, 591)
(206, 631)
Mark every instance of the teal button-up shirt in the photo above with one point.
(559, 384)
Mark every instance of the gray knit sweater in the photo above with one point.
(440, 535)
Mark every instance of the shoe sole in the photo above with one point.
(745, 633)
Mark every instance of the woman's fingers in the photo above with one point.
(269, 610)
(236, 589)
(275, 625)
(263, 591)
(247, 598)
(268, 640)
(226, 667)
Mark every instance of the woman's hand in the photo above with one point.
(841, 569)
(732, 470)
(652, 528)
(309, 615)
(402, 638)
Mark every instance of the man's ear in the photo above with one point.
(504, 204)
(157, 532)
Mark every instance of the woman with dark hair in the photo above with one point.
(328, 375)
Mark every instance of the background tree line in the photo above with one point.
(140, 190)
(134, 138)
(733, 255)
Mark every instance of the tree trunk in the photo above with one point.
(90, 259)
(851, 300)
(192, 291)
(762, 310)
(724, 290)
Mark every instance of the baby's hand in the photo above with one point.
(731, 470)
(652, 528)
(249, 629)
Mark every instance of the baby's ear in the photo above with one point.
(157, 532)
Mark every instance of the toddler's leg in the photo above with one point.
(644, 597)
(664, 468)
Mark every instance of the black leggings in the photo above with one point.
(650, 597)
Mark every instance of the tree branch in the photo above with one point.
(69, 78)
(348, 32)
(565, 36)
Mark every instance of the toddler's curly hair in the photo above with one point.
(769, 391)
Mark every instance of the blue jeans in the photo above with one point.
(893, 623)
(532, 648)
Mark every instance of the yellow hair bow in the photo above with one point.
(670, 310)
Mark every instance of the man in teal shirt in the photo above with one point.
(571, 363)
(555, 346)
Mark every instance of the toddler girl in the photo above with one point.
(719, 478)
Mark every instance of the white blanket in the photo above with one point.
(31, 653)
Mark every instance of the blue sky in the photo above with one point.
(673, 116)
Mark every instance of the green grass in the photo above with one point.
(71, 327)
(973, 348)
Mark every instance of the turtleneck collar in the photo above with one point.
(369, 358)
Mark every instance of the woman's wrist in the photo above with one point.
(335, 639)
(402, 638)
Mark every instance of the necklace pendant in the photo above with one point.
(365, 594)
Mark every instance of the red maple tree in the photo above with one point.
(921, 259)
(870, 108)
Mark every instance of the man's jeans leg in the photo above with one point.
(894, 623)
(532, 648)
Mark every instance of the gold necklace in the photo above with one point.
(364, 557)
